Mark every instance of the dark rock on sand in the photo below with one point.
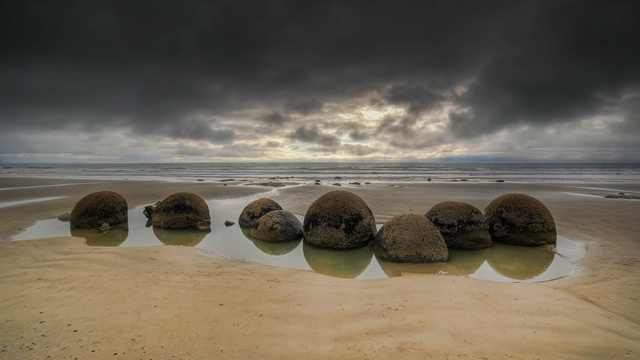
(339, 220)
(410, 238)
(65, 216)
(255, 209)
(462, 225)
(97, 208)
(228, 223)
(520, 219)
(623, 196)
(277, 225)
(182, 210)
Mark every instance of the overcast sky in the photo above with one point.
(319, 80)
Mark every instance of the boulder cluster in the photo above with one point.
(265, 220)
(341, 220)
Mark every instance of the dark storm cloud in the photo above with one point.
(194, 129)
(312, 134)
(274, 118)
(416, 98)
(304, 106)
(152, 65)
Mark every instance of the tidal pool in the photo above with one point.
(498, 263)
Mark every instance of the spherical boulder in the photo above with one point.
(339, 220)
(410, 238)
(462, 225)
(277, 225)
(520, 219)
(255, 209)
(181, 210)
(98, 208)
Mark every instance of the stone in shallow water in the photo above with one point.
(462, 225)
(339, 220)
(520, 219)
(277, 225)
(97, 208)
(182, 210)
(255, 209)
(410, 238)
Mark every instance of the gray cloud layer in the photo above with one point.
(176, 68)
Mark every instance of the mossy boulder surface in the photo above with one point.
(277, 225)
(256, 209)
(339, 220)
(98, 208)
(462, 225)
(410, 238)
(520, 219)
(181, 210)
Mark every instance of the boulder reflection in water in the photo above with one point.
(183, 237)
(96, 237)
(520, 262)
(270, 247)
(339, 263)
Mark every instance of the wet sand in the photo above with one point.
(63, 299)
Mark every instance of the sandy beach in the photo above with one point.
(62, 299)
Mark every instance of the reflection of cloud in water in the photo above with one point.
(96, 237)
(520, 262)
(339, 263)
(184, 237)
(270, 247)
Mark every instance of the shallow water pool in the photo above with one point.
(498, 263)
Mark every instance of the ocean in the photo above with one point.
(306, 172)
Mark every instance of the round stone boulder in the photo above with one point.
(277, 225)
(520, 219)
(255, 209)
(181, 210)
(410, 238)
(339, 220)
(98, 208)
(462, 225)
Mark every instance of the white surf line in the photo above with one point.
(5, 204)
(585, 195)
(43, 186)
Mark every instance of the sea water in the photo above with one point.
(307, 172)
